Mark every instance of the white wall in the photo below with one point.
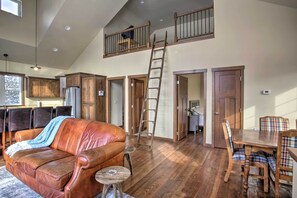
(259, 35)
(45, 72)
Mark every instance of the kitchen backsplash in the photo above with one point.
(44, 102)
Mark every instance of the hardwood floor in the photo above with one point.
(186, 169)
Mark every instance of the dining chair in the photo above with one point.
(63, 110)
(2, 126)
(42, 116)
(257, 159)
(18, 119)
(274, 123)
(282, 165)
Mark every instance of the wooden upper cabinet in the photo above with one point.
(43, 88)
(73, 80)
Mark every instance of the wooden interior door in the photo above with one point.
(137, 99)
(182, 102)
(227, 103)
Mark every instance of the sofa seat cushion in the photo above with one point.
(56, 174)
(29, 163)
(22, 153)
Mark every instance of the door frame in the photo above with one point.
(229, 68)
(108, 107)
(130, 99)
(175, 74)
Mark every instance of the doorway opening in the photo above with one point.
(116, 101)
(189, 103)
(136, 91)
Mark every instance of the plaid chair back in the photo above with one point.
(287, 142)
(228, 133)
(287, 139)
(274, 123)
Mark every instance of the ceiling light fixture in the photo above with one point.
(161, 20)
(67, 28)
(142, 2)
(35, 68)
(55, 49)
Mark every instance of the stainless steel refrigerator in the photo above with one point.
(72, 98)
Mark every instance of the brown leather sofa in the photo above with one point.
(67, 167)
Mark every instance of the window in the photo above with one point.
(11, 89)
(12, 6)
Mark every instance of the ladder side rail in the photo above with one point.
(146, 93)
(158, 97)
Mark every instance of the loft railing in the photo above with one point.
(195, 24)
(131, 39)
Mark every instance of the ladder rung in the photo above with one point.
(151, 99)
(151, 78)
(160, 41)
(153, 88)
(148, 121)
(157, 59)
(149, 110)
(156, 68)
(159, 49)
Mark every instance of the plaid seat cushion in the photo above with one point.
(272, 165)
(274, 124)
(255, 156)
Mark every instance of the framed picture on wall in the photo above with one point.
(194, 103)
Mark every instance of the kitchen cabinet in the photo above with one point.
(74, 79)
(43, 88)
(93, 98)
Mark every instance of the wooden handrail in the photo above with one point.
(126, 30)
(187, 13)
(193, 24)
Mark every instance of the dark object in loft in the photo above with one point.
(128, 34)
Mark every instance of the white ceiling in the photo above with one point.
(86, 18)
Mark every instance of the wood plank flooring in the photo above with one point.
(186, 169)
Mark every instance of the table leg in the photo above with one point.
(248, 150)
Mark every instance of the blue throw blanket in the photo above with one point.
(45, 138)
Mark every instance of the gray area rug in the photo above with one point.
(11, 187)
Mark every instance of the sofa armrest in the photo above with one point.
(96, 156)
(27, 134)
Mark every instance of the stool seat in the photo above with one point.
(112, 176)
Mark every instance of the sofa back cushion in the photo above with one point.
(76, 135)
(99, 134)
(69, 135)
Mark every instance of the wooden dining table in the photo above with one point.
(254, 141)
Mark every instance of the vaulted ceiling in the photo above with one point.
(85, 19)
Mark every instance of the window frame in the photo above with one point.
(20, 7)
(22, 88)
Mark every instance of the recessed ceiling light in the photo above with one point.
(142, 2)
(67, 27)
(161, 20)
(55, 49)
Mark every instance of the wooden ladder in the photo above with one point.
(149, 112)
